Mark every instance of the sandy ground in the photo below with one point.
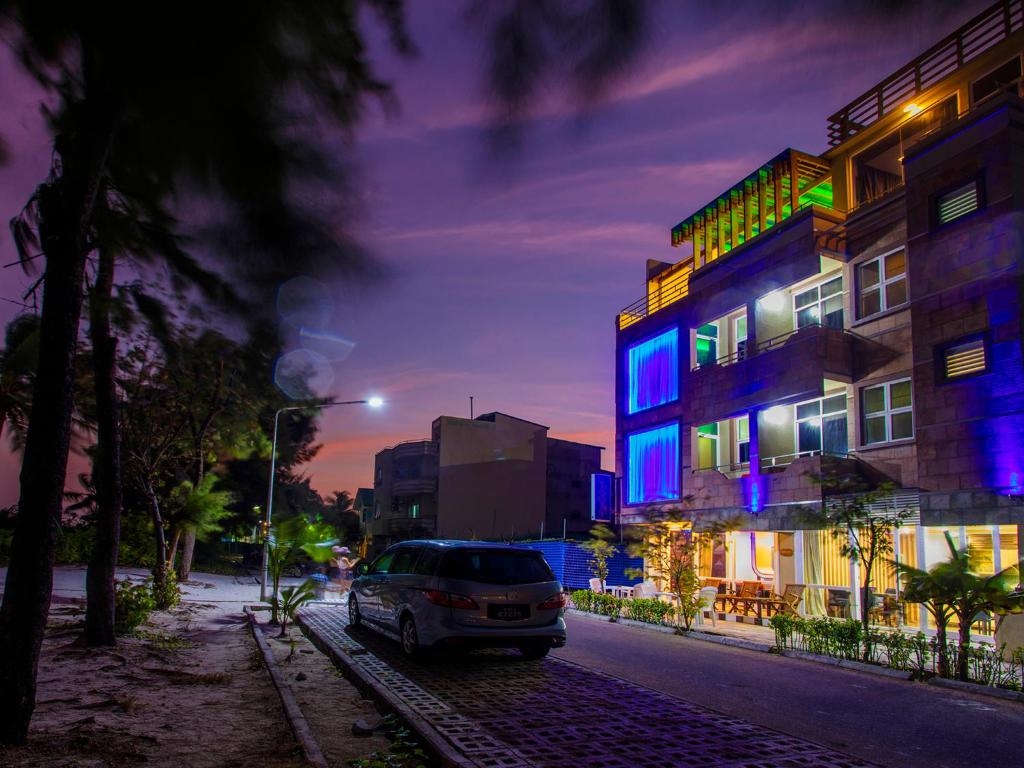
(190, 690)
(330, 704)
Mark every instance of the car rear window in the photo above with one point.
(494, 566)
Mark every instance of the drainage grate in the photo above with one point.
(505, 712)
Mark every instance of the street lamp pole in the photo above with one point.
(374, 402)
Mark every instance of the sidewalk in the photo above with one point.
(498, 710)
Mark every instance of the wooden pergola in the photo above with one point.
(788, 182)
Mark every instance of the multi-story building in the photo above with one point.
(492, 477)
(853, 313)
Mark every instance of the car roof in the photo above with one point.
(457, 544)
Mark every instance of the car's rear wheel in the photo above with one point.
(354, 617)
(535, 650)
(410, 638)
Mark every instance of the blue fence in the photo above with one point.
(571, 563)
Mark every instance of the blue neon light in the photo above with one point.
(601, 505)
(652, 372)
(652, 466)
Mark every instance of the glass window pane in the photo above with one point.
(832, 287)
(805, 298)
(874, 400)
(707, 351)
(870, 302)
(834, 434)
(709, 429)
(652, 372)
(807, 317)
(899, 394)
(874, 429)
(902, 425)
(869, 274)
(708, 330)
(741, 328)
(895, 293)
(743, 428)
(744, 453)
(806, 410)
(809, 436)
(834, 312)
(895, 264)
(834, 404)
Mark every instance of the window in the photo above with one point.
(821, 426)
(882, 283)
(376, 511)
(957, 203)
(999, 79)
(652, 468)
(427, 563)
(739, 335)
(383, 563)
(414, 509)
(965, 358)
(707, 446)
(707, 344)
(888, 412)
(652, 371)
(405, 560)
(380, 474)
(496, 566)
(820, 305)
(741, 428)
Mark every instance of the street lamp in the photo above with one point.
(373, 402)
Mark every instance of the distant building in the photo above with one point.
(362, 504)
(492, 477)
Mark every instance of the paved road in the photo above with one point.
(887, 721)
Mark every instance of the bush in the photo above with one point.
(132, 605)
(169, 595)
(607, 605)
(583, 600)
(648, 610)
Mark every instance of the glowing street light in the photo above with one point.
(373, 402)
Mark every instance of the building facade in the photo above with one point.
(857, 314)
(492, 477)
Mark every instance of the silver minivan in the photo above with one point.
(469, 594)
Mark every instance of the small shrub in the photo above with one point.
(784, 627)
(132, 605)
(648, 610)
(167, 596)
(607, 605)
(583, 600)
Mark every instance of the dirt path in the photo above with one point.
(188, 692)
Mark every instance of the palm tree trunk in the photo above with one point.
(160, 566)
(173, 553)
(187, 548)
(99, 580)
(26, 602)
(963, 648)
(940, 640)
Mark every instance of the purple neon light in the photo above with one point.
(652, 465)
(652, 371)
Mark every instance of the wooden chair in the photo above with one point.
(741, 601)
(788, 602)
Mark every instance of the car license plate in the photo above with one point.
(508, 612)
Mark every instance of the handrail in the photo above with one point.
(984, 31)
(771, 461)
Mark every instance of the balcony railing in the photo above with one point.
(780, 462)
(984, 31)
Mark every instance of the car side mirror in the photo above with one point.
(362, 569)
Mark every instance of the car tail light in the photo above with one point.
(557, 600)
(450, 600)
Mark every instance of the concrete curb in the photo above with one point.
(859, 666)
(980, 690)
(359, 677)
(300, 727)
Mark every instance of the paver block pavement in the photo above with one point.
(502, 711)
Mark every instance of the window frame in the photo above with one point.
(887, 413)
(974, 101)
(737, 442)
(627, 502)
(716, 339)
(716, 437)
(978, 180)
(985, 337)
(821, 416)
(882, 284)
(627, 374)
(819, 302)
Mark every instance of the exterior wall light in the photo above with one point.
(777, 415)
(773, 302)
(913, 109)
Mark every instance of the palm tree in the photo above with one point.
(152, 102)
(17, 368)
(952, 589)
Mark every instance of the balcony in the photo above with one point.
(414, 486)
(412, 526)
(783, 368)
(984, 31)
(414, 448)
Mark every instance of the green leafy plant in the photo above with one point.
(132, 605)
(291, 539)
(290, 600)
(166, 593)
(601, 550)
(582, 600)
(648, 610)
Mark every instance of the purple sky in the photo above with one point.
(504, 282)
